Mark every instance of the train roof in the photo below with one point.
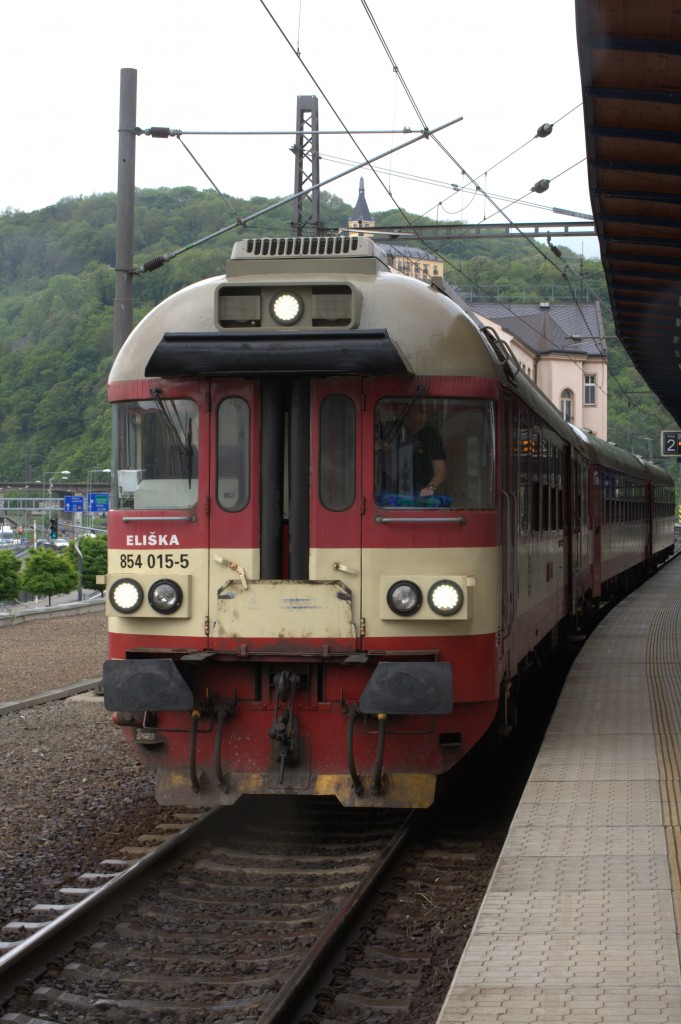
(604, 453)
(383, 321)
(360, 316)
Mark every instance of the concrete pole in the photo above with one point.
(125, 213)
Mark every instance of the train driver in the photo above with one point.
(411, 461)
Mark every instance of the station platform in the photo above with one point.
(582, 916)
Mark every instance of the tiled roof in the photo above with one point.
(407, 252)
(549, 327)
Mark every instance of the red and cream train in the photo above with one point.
(293, 607)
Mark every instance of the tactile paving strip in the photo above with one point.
(581, 919)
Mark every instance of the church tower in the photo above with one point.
(360, 218)
(405, 259)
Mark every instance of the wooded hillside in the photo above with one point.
(56, 310)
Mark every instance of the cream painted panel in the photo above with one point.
(481, 567)
(280, 609)
(147, 566)
(534, 585)
(220, 573)
(344, 564)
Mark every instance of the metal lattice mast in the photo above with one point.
(306, 151)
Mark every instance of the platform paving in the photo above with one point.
(580, 924)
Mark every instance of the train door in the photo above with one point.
(577, 530)
(335, 498)
(234, 494)
(572, 537)
(595, 484)
(284, 519)
(509, 523)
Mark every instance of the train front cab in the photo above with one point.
(290, 664)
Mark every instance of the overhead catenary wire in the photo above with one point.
(333, 109)
(542, 132)
(441, 145)
(158, 261)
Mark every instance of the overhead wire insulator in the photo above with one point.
(543, 130)
(541, 185)
(154, 264)
(554, 248)
(159, 132)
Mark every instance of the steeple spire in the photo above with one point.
(361, 215)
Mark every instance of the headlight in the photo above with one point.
(404, 598)
(445, 597)
(126, 596)
(286, 308)
(165, 597)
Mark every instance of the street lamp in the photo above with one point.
(64, 474)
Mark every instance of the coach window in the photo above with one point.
(337, 446)
(619, 491)
(155, 453)
(524, 474)
(232, 479)
(553, 486)
(607, 498)
(545, 484)
(536, 475)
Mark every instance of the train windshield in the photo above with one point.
(434, 453)
(156, 453)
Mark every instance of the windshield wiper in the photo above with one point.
(183, 438)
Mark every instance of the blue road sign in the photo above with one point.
(73, 503)
(98, 503)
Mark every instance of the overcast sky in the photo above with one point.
(231, 65)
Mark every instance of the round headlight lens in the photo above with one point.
(445, 597)
(404, 598)
(165, 597)
(126, 596)
(286, 308)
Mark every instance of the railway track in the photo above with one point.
(229, 920)
(272, 910)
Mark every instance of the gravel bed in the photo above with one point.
(71, 790)
(49, 651)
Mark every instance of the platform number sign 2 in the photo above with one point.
(671, 442)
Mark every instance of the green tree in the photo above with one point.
(57, 285)
(45, 574)
(95, 552)
(10, 570)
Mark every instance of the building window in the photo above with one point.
(566, 405)
(590, 389)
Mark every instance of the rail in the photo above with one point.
(31, 955)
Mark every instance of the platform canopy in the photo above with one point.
(630, 60)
